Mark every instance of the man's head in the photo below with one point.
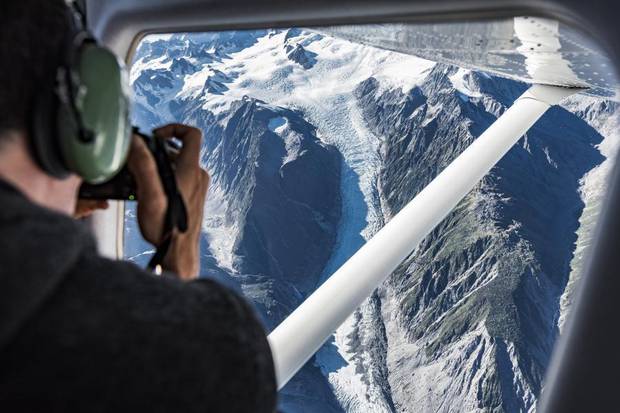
(32, 34)
(64, 107)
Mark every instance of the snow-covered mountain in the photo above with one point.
(314, 142)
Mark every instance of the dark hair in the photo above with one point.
(32, 34)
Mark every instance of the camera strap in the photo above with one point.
(176, 213)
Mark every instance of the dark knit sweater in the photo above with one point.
(79, 332)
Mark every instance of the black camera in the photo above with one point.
(123, 185)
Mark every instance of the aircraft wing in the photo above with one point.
(529, 49)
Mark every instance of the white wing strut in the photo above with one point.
(299, 336)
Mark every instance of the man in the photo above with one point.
(82, 333)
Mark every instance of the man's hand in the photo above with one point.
(193, 182)
(85, 207)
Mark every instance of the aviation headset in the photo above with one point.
(81, 121)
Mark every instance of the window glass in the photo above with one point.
(315, 138)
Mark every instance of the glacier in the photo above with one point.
(314, 142)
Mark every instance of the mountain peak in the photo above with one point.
(300, 55)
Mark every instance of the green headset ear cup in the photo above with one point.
(42, 136)
(102, 100)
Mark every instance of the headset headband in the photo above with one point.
(76, 37)
(82, 125)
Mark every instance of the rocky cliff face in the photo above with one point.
(479, 299)
(313, 143)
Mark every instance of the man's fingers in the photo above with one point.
(85, 207)
(102, 204)
(191, 137)
(173, 156)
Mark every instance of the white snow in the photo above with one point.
(194, 83)
(141, 65)
(264, 71)
(459, 81)
(219, 231)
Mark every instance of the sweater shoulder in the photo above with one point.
(196, 344)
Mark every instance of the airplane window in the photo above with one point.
(315, 138)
